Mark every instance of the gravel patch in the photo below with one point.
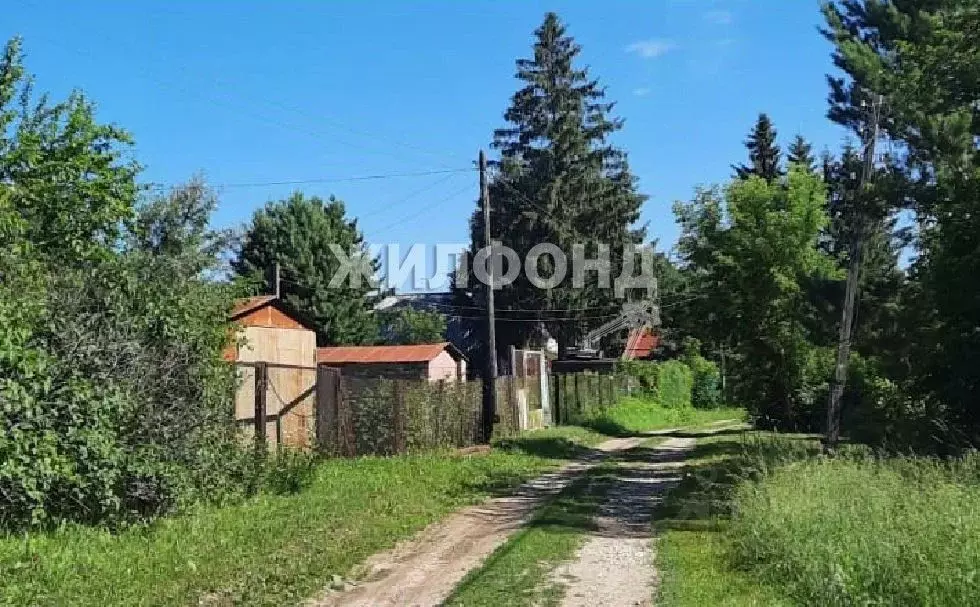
(615, 567)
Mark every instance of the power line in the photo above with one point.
(387, 207)
(452, 306)
(222, 98)
(425, 208)
(386, 137)
(256, 184)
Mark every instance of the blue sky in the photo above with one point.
(251, 92)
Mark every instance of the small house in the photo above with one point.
(271, 339)
(434, 362)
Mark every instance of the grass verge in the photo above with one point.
(762, 520)
(633, 415)
(694, 555)
(517, 572)
(270, 550)
(865, 532)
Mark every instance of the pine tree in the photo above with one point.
(801, 153)
(559, 182)
(921, 56)
(764, 154)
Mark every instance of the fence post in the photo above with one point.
(261, 381)
(399, 406)
(578, 395)
(556, 401)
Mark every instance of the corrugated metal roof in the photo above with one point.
(641, 343)
(381, 354)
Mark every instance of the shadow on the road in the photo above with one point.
(699, 433)
(551, 447)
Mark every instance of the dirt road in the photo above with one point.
(424, 570)
(615, 566)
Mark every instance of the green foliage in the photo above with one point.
(750, 253)
(113, 388)
(65, 174)
(113, 397)
(272, 549)
(410, 326)
(892, 532)
(705, 377)
(800, 152)
(788, 527)
(285, 472)
(560, 181)
(644, 372)
(764, 154)
(922, 58)
(298, 233)
(674, 383)
(669, 383)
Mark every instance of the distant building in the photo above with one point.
(465, 327)
(440, 361)
(641, 343)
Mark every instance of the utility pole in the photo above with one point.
(277, 280)
(490, 379)
(851, 287)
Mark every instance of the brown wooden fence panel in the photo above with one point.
(580, 396)
(327, 404)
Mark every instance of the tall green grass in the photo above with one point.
(864, 532)
(764, 519)
(633, 415)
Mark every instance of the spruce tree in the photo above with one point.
(800, 153)
(561, 182)
(764, 154)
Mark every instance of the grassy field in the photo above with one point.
(634, 415)
(762, 520)
(271, 550)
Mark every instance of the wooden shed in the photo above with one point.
(273, 341)
(439, 361)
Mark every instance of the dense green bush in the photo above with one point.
(705, 377)
(114, 397)
(668, 382)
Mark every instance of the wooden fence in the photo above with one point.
(580, 396)
(275, 403)
(317, 407)
(361, 416)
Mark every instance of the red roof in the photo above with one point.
(383, 354)
(248, 304)
(641, 343)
